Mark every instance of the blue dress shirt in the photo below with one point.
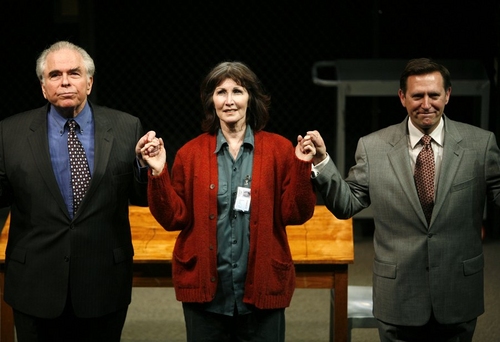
(58, 147)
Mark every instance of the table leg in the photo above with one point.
(338, 306)
(6, 315)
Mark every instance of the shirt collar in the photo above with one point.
(248, 140)
(415, 135)
(83, 119)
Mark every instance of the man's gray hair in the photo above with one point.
(41, 62)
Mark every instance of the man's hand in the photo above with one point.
(150, 151)
(319, 144)
(147, 138)
(305, 149)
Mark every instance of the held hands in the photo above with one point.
(305, 149)
(312, 142)
(150, 150)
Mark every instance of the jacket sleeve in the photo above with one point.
(493, 170)
(345, 198)
(5, 192)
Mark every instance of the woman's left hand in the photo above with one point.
(305, 149)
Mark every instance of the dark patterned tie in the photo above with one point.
(424, 177)
(80, 172)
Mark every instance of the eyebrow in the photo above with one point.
(57, 71)
(421, 93)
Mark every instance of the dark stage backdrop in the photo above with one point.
(151, 55)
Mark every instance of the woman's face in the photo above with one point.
(231, 103)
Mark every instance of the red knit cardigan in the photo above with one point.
(282, 194)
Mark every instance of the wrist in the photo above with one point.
(156, 172)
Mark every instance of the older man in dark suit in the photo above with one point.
(428, 267)
(69, 263)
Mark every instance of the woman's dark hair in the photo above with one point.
(422, 66)
(257, 113)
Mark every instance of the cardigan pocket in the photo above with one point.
(281, 277)
(185, 272)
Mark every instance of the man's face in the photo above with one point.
(65, 82)
(425, 99)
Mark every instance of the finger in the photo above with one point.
(150, 136)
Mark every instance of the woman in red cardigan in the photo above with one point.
(231, 193)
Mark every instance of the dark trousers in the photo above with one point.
(433, 331)
(258, 326)
(68, 327)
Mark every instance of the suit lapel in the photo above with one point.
(401, 165)
(39, 146)
(452, 156)
(103, 141)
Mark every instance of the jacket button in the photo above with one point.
(211, 216)
(212, 279)
(212, 186)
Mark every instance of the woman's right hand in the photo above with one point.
(155, 155)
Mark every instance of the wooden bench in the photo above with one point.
(321, 249)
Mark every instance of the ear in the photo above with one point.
(447, 95)
(43, 89)
(402, 97)
(90, 82)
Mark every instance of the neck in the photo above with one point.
(234, 132)
(234, 138)
(69, 112)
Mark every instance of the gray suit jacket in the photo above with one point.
(419, 268)
(48, 253)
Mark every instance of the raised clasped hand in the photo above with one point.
(305, 149)
(154, 154)
(319, 146)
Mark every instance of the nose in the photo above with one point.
(229, 99)
(65, 80)
(426, 102)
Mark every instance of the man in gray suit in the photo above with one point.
(427, 273)
(69, 269)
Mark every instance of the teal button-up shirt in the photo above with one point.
(233, 234)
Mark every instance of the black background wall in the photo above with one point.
(151, 55)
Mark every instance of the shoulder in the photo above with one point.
(106, 112)
(388, 135)
(468, 135)
(26, 115)
(270, 139)
(464, 127)
(24, 122)
(199, 142)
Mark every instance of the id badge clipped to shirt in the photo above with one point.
(243, 196)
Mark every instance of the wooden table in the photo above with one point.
(321, 248)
